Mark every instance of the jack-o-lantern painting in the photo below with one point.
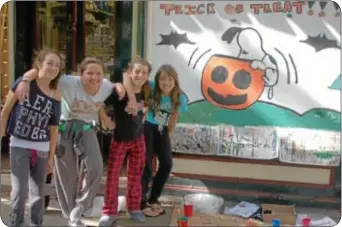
(231, 83)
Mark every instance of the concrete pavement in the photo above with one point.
(54, 217)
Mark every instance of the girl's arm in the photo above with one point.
(53, 130)
(30, 75)
(53, 145)
(53, 140)
(145, 112)
(132, 101)
(127, 82)
(175, 115)
(173, 121)
(24, 86)
(6, 110)
(106, 122)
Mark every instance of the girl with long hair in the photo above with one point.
(33, 128)
(167, 101)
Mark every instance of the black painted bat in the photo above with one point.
(175, 39)
(320, 42)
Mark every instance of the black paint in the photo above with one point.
(242, 79)
(175, 39)
(311, 3)
(219, 75)
(322, 4)
(320, 42)
(337, 7)
(228, 100)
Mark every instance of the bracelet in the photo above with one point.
(25, 80)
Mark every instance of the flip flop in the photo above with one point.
(160, 213)
(153, 213)
(158, 207)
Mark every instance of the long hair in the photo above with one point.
(175, 93)
(39, 59)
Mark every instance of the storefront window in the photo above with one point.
(55, 26)
(141, 28)
(100, 29)
(4, 51)
(124, 37)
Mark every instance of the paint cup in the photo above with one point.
(188, 210)
(275, 223)
(179, 222)
(183, 221)
(306, 222)
(251, 223)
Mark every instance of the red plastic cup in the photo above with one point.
(306, 222)
(188, 210)
(184, 223)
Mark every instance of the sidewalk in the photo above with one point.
(54, 215)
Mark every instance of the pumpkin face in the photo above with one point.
(231, 83)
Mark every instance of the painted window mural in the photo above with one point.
(262, 78)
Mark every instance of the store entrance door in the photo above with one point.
(56, 29)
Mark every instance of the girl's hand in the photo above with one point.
(145, 111)
(22, 90)
(108, 124)
(170, 128)
(50, 166)
(132, 107)
(120, 90)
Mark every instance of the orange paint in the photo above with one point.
(226, 94)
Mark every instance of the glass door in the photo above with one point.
(100, 32)
(55, 28)
(4, 64)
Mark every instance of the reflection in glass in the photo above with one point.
(54, 26)
(100, 32)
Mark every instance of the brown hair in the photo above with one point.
(146, 87)
(39, 59)
(175, 93)
(88, 61)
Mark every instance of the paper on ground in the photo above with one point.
(243, 209)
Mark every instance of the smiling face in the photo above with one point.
(92, 75)
(166, 83)
(49, 68)
(139, 74)
(231, 83)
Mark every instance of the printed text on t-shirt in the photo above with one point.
(33, 118)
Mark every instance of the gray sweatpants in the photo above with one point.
(28, 168)
(74, 200)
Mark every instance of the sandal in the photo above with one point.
(158, 208)
(150, 213)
